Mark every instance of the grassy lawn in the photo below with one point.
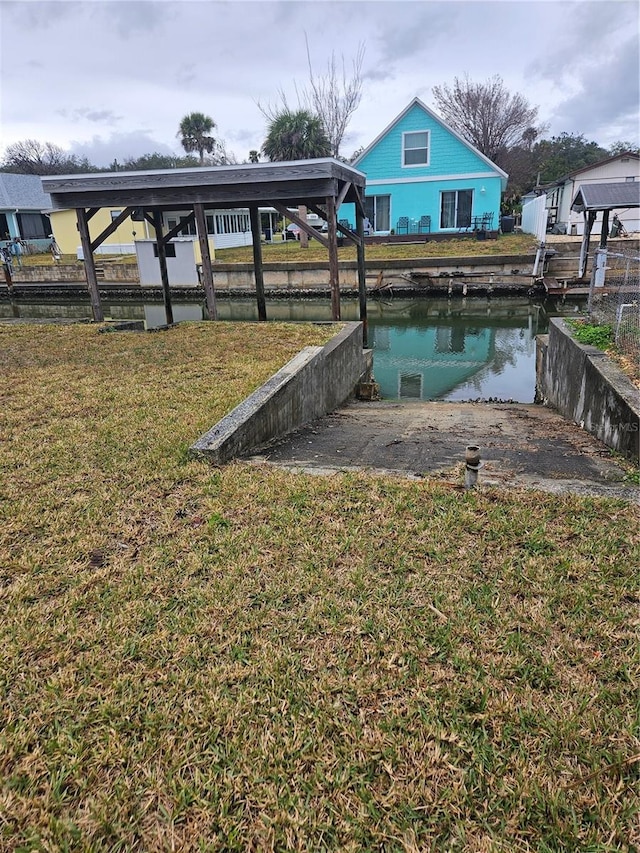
(506, 244)
(247, 659)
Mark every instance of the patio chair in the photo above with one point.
(487, 221)
(345, 223)
(424, 225)
(402, 226)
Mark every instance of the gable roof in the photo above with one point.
(628, 154)
(417, 102)
(607, 196)
(22, 192)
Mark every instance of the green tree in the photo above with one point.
(194, 134)
(296, 135)
(254, 156)
(158, 161)
(622, 147)
(560, 155)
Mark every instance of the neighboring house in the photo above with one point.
(423, 177)
(23, 203)
(623, 168)
(65, 229)
(228, 228)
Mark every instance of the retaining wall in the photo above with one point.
(587, 387)
(316, 381)
(305, 275)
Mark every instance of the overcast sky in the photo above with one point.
(113, 79)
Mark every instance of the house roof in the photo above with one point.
(292, 182)
(607, 196)
(570, 176)
(22, 192)
(622, 155)
(417, 102)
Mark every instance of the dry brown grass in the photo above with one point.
(247, 659)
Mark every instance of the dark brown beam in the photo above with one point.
(186, 220)
(308, 229)
(92, 212)
(111, 228)
(604, 231)
(334, 280)
(256, 234)
(589, 219)
(359, 200)
(162, 260)
(89, 265)
(341, 195)
(207, 269)
(175, 198)
(362, 277)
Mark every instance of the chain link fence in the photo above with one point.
(614, 298)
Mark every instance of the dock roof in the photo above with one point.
(292, 183)
(607, 196)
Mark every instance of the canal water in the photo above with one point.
(423, 348)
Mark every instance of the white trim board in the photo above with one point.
(427, 179)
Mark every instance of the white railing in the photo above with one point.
(534, 217)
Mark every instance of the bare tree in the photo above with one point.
(31, 157)
(487, 115)
(333, 96)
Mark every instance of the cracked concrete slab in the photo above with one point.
(521, 445)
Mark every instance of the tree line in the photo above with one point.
(500, 124)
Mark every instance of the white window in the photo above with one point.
(377, 209)
(415, 148)
(455, 208)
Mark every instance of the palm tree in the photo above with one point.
(194, 134)
(296, 135)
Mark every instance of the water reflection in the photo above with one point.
(424, 349)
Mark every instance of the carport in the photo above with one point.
(320, 185)
(592, 199)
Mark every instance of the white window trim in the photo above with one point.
(415, 165)
(456, 191)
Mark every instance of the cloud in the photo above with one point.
(101, 151)
(607, 99)
(81, 114)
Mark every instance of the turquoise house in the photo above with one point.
(423, 177)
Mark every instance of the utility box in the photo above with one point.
(183, 255)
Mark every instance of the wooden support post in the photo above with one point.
(162, 260)
(362, 276)
(304, 237)
(589, 219)
(604, 231)
(207, 269)
(256, 234)
(7, 276)
(334, 276)
(89, 265)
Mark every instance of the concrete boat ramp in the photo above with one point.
(521, 446)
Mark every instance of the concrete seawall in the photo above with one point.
(587, 387)
(308, 275)
(316, 381)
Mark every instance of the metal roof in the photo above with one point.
(292, 182)
(608, 196)
(22, 192)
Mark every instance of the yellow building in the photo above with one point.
(65, 230)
